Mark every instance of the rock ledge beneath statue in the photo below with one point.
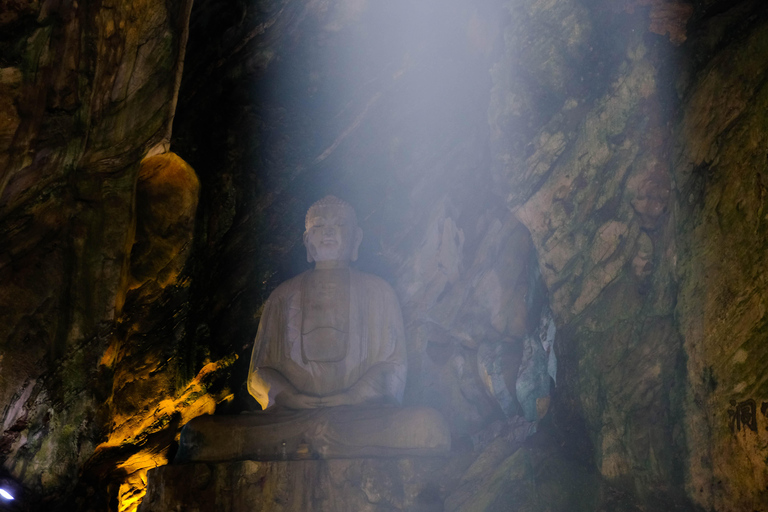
(338, 485)
(324, 433)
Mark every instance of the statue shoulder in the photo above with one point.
(287, 288)
(374, 284)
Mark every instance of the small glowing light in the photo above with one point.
(5, 494)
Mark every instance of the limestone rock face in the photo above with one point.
(314, 486)
(166, 202)
(720, 164)
(87, 90)
(594, 192)
(605, 158)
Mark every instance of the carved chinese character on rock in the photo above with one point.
(744, 415)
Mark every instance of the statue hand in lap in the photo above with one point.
(331, 336)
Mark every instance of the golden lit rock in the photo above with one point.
(166, 201)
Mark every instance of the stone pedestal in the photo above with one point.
(323, 433)
(337, 485)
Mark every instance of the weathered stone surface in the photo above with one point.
(502, 475)
(720, 172)
(343, 432)
(166, 202)
(87, 90)
(458, 313)
(351, 485)
(628, 137)
(594, 193)
(519, 483)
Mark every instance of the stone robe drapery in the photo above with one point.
(375, 356)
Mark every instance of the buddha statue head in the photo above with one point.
(331, 234)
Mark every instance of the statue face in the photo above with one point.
(331, 235)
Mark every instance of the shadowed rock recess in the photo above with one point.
(601, 163)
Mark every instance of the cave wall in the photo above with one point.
(88, 90)
(719, 163)
(612, 150)
(594, 192)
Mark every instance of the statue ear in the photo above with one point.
(356, 243)
(310, 259)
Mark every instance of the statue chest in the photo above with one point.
(325, 313)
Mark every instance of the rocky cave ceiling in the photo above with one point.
(157, 159)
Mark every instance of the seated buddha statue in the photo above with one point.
(328, 365)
